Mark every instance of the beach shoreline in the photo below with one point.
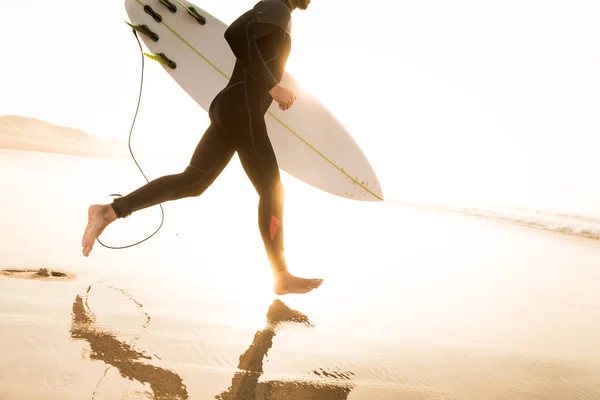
(468, 308)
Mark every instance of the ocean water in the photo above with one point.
(420, 300)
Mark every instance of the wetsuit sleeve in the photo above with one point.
(242, 38)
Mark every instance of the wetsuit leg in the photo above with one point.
(247, 129)
(260, 165)
(212, 154)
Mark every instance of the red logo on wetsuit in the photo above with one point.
(275, 223)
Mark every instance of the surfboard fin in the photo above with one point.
(194, 13)
(143, 29)
(162, 58)
(157, 17)
(170, 6)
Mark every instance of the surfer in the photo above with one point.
(261, 41)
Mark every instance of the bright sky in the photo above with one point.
(466, 96)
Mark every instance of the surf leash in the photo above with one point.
(162, 220)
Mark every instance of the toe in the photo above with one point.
(85, 233)
(87, 242)
(87, 250)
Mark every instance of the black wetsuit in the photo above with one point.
(261, 42)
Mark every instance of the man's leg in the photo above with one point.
(213, 153)
(258, 160)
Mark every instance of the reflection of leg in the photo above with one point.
(104, 346)
(212, 154)
(306, 389)
(279, 313)
(243, 384)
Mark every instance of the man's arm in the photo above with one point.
(242, 37)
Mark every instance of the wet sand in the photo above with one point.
(415, 305)
(41, 274)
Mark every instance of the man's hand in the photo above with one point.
(284, 96)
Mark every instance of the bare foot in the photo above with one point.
(286, 283)
(99, 217)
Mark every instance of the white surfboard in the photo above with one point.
(309, 142)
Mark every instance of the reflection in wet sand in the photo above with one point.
(104, 346)
(166, 384)
(245, 386)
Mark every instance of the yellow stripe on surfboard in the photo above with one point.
(269, 112)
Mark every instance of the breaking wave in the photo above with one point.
(562, 223)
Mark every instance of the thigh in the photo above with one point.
(243, 122)
(214, 150)
(257, 155)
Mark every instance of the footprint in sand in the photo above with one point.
(38, 274)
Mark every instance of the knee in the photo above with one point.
(278, 189)
(190, 178)
(197, 190)
(274, 190)
(191, 171)
(191, 174)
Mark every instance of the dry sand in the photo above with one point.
(415, 305)
(22, 133)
